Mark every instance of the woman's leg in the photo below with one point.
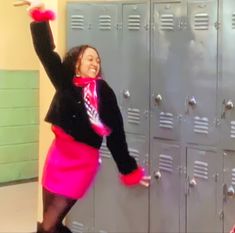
(55, 208)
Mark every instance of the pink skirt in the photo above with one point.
(70, 166)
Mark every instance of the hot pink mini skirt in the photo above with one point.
(70, 166)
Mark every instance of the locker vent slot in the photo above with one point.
(133, 116)
(166, 120)
(167, 22)
(233, 21)
(105, 22)
(201, 125)
(233, 176)
(77, 22)
(104, 151)
(201, 21)
(165, 163)
(134, 153)
(232, 129)
(200, 170)
(134, 22)
(78, 227)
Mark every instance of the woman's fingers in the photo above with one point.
(33, 4)
(144, 183)
(147, 178)
(36, 4)
(21, 3)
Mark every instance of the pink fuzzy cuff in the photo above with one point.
(39, 15)
(233, 229)
(132, 178)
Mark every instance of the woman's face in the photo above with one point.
(89, 64)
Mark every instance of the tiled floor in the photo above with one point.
(18, 208)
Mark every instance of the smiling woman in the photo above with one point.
(88, 64)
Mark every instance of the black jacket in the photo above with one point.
(67, 109)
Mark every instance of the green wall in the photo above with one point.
(19, 125)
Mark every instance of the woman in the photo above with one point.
(84, 110)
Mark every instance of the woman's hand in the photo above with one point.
(33, 4)
(145, 181)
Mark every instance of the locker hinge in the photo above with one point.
(182, 24)
(146, 27)
(217, 25)
(216, 176)
(186, 187)
(221, 215)
(118, 26)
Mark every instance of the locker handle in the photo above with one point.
(229, 105)
(230, 191)
(158, 98)
(157, 175)
(192, 183)
(192, 101)
(126, 94)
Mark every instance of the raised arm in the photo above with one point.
(44, 46)
(43, 41)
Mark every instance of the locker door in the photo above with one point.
(118, 208)
(168, 43)
(204, 175)
(99, 26)
(134, 75)
(79, 24)
(94, 24)
(105, 34)
(200, 84)
(228, 73)
(228, 190)
(165, 188)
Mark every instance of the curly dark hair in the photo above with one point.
(73, 56)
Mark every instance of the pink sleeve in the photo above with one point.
(40, 16)
(132, 178)
(233, 229)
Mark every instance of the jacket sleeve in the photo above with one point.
(116, 142)
(44, 47)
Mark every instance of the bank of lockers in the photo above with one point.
(171, 65)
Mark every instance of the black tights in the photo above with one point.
(55, 208)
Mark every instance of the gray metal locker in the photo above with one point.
(227, 127)
(171, 65)
(228, 190)
(134, 63)
(167, 69)
(119, 208)
(204, 182)
(79, 22)
(79, 25)
(97, 24)
(106, 38)
(200, 86)
(165, 190)
(110, 27)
